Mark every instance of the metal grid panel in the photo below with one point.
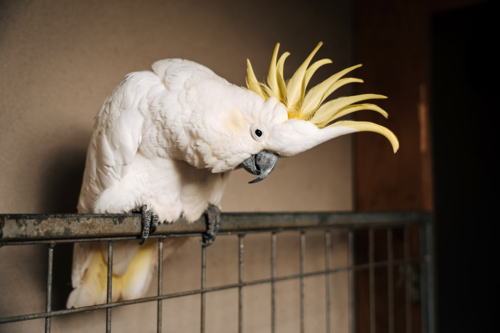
(70, 228)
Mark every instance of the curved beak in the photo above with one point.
(261, 164)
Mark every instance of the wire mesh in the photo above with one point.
(109, 290)
(240, 280)
(50, 267)
(390, 281)
(29, 229)
(160, 285)
(328, 246)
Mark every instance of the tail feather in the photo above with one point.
(92, 286)
(133, 282)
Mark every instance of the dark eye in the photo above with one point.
(257, 132)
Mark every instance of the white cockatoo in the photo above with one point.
(165, 141)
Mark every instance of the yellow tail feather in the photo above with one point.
(134, 283)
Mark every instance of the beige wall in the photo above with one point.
(60, 59)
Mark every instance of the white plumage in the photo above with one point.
(168, 139)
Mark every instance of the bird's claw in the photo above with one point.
(154, 223)
(149, 223)
(213, 224)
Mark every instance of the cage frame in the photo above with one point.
(53, 229)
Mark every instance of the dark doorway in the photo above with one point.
(465, 120)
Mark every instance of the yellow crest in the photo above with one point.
(309, 106)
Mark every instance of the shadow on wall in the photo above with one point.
(62, 181)
(61, 187)
(63, 257)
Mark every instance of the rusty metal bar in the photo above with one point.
(240, 280)
(203, 285)
(352, 287)
(110, 285)
(70, 226)
(371, 270)
(273, 282)
(50, 268)
(407, 277)
(160, 285)
(302, 284)
(328, 247)
(390, 281)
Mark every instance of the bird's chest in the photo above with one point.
(174, 188)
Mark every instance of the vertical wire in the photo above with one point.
(423, 279)
(50, 266)
(302, 271)
(407, 281)
(203, 281)
(273, 282)
(160, 284)
(110, 285)
(390, 280)
(371, 259)
(240, 280)
(327, 279)
(430, 276)
(352, 295)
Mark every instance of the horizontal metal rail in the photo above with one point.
(15, 228)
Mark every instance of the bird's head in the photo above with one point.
(294, 119)
(256, 126)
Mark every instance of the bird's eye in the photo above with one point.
(257, 132)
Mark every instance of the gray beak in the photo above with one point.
(261, 164)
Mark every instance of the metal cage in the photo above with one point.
(71, 228)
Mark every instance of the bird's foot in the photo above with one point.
(154, 223)
(213, 224)
(149, 223)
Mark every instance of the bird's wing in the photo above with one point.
(117, 135)
(115, 140)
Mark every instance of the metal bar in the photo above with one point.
(240, 280)
(406, 276)
(423, 281)
(181, 235)
(203, 285)
(352, 286)
(302, 286)
(189, 293)
(328, 247)
(371, 260)
(390, 280)
(110, 285)
(70, 226)
(50, 266)
(160, 285)
(273, 283)
(429, 258)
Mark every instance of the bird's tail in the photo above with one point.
(133, 268)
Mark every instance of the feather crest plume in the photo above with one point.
(309, 105)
